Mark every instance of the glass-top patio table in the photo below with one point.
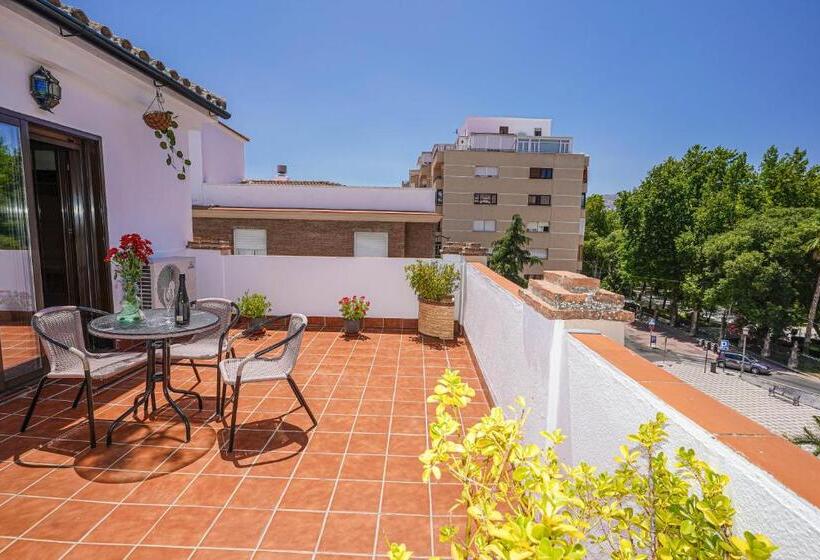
(157, 328)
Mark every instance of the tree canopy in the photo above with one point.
(510, 254)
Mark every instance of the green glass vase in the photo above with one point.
(130, 303)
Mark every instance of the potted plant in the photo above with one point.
(254, 307)
(163, 123)
(128, 259)
(434, 283)
(353, 310)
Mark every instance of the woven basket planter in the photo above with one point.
(436, 318)
(158, 120)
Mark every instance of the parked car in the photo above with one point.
(733, 360)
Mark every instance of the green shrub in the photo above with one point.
(253, 306)
(521, 502)
(432, 280)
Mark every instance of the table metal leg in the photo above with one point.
(166, 378)
(138, 400)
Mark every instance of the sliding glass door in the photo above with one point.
(19, 349)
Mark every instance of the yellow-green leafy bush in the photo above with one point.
(523, 503)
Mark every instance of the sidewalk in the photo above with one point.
(685, 360)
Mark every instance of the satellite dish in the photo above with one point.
(166, 287)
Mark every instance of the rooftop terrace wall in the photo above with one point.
(597, 392)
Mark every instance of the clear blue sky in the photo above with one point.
(353, 91)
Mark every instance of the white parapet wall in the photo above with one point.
(571, 387)
(325, 198)
(308, 285)
(606, 405)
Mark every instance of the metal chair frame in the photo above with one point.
(228, 351)
(234, 399)
(85, 386)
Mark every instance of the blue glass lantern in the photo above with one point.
(45, 89)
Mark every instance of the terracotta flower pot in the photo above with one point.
(352, 326)
(436, 318)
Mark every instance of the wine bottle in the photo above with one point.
(182, 308)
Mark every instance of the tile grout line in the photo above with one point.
(256, 459)
(63, 500)
(387, 451)
(349, 439)
(276, 509)
(180, 493)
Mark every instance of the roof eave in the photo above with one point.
(52, 13)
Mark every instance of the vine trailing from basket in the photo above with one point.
(128, 258)
(353, 308)
(163, 123)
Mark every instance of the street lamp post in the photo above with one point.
(743, 353)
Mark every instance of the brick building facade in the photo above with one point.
(320, 233)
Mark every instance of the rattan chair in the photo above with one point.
(256, 368)
(62, 335)
(214, 344)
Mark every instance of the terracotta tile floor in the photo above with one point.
(341, 490)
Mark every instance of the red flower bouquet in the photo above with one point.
(128, 259)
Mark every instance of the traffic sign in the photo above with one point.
(724, 345)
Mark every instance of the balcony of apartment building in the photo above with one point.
(351, 483)
(496, 142)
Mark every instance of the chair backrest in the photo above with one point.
(222, 308)
(291, 351)
(65, 325)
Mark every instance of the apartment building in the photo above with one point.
(498, 167)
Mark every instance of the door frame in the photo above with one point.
(88, 180)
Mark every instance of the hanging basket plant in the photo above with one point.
(163, 123)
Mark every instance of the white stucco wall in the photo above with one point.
(308, 285)
(223, 155)
(606, 405)
(515, 347)
(568, 386)
(523, 126)
(326, 198)
(106, 99)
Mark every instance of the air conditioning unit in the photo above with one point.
(160, 278)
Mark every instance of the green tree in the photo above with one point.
(788, 180)
(653, 216)
(510, 253)
(813, 250)
(810, 437)
(761, 268)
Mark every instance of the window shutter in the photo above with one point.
(250, 242)
(370, 244)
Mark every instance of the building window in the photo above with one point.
(483, 225)
(586, 175)
(543, 145)
(538, 227)
(483, 171)
(370, 244)
(250, 242)
(537, 132)
(539, 200)
(503, 129)
(439, 197)
(583, 200)
(542, 254)
(485, 198)
(540, 172)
